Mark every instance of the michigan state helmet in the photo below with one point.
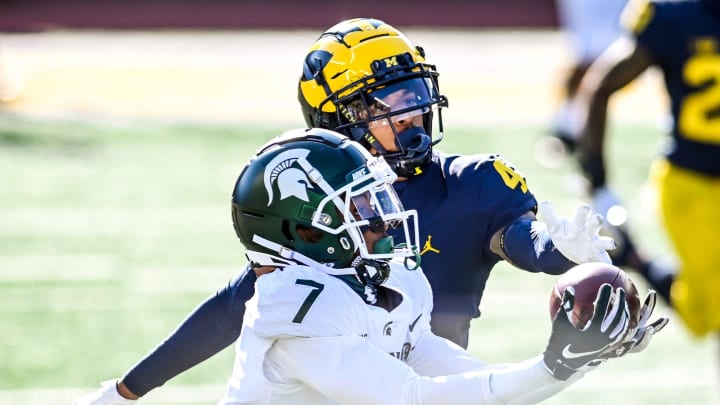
(347, 73)
(306, 196)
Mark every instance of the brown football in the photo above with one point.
(586, 279)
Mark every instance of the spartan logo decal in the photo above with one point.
(291, 180)
(387, 329)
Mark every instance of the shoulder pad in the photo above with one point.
(413, 283)
(303, 302)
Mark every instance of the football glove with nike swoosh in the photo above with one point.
(639, 338)
(578, 239)
(569, 348)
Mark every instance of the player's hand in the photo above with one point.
(639, 338)
(569, 348)
(578, 239)
(106, 395)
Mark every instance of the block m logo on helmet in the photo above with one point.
(390, 62)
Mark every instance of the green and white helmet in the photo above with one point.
(307, 194)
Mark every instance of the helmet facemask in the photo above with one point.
(368, 201)
(403, 100)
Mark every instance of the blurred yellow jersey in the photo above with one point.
(684, 39)
(690, 207)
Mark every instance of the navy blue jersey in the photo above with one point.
(684, 39)
(461, 202)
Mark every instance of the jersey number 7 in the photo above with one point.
(305, 307)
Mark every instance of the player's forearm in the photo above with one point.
(518, 383)
(205, 332)
(435, 356)
(527, 245)
(590, 146)
(210, 328)
(334, 366)
(622, 63)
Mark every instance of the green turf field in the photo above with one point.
(115, 183)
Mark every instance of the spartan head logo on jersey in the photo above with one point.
(291, 180)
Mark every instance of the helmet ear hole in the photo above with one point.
(286, 230)
(308, 234)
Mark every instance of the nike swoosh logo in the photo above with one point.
(412, 325)
(572, 355)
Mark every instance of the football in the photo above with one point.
(586, 279)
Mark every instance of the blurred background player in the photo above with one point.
(682, 39)
(591, 26)
(365, 79)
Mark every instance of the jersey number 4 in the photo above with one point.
(305, 307)
(511, 178)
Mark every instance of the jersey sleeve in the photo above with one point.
(299, 302)
(247, 383)
(349, 370)
(646, 21)
(435, 356)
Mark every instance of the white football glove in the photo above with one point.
(106, 395)
(578, 239)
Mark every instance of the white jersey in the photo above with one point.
(308, 338)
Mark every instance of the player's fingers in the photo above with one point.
(643, 341)
(568, 299)
(593, 225)
(659, 324)
(617, 317)
(581, 216)
(601, 255)
(647, 308)
(602, 303)
(604, 243)
(622, 317)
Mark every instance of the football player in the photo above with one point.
(590, 27)
(682, 39)
(338, 294)
(365, 79)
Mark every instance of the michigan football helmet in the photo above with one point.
(349, 72)
(306, 197)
